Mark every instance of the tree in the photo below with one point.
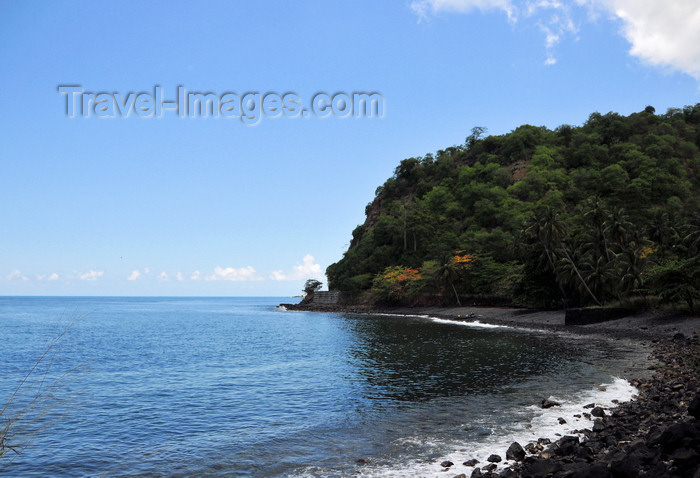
(477, 132)
(451, 269)
(551, 232)
(677, 281)
(311, 286)
(397, 284)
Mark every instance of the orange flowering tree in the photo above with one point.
(397, 283)
(452, 269)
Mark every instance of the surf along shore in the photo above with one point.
(656, 435)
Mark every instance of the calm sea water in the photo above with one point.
(228, 387)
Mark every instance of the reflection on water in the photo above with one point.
(411, 359)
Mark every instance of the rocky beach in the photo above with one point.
(655, 435)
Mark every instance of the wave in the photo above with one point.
(534, 423)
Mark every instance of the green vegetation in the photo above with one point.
(590, 215)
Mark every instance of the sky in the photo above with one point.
(117, 178)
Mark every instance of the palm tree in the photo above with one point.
(662, 231)
(596, 215)
(552, 233)
(447, 273)
(619, 227)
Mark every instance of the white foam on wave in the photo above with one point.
(281, 307)
(386, 314)
(536, 423)
(464, 323)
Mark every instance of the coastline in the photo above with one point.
(656, 435)
(642, 326)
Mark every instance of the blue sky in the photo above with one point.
(167, 205)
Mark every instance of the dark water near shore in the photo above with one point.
(235, 387)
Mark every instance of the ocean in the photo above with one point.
(229, 387)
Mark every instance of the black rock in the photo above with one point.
(654, 436)
(547, 403)
(685, 458)
(566, 445)
(515, 452)
(625, 466)
(542, 467)
(584, 453)
(472, 462)
(476, 473)
(509, 473)
(598, 426)
(561, 421)
(694, 407)
(598, 412)
(494, 459)
(597, 470)
(446, 464)
(590, 405)
(676, 436)
(533, 448)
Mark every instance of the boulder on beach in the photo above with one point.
(515, 452)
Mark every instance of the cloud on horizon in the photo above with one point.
(308, 269)
(135, 275)
(91, 275)
(15, 274)
(51, 277)
(661, 34)
(232, 274)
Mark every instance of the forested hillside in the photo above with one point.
(607, 212)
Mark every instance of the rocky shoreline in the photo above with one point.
(657, 435)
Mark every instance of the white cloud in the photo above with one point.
(423, 8)
(92, 275)
(552, 17)
(661, 33)
(135, 274)
(43, 277)
(196, 275)
(15, 274)
(163, 276)
(308, 269)
(278, 275)
(179, 276)
(232, 274)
